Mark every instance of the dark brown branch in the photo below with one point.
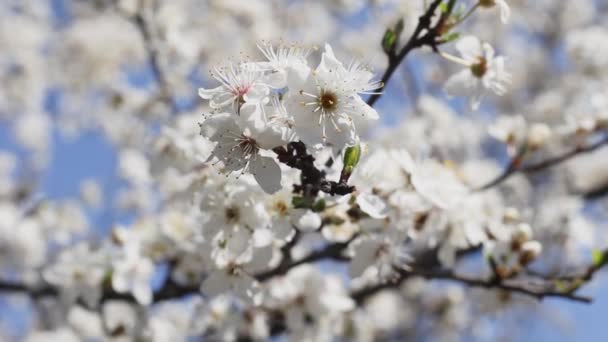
(516, 165)
(171, 290)
(312, 180)
(153, 54)
(415, 41)
(332, 251)
(516, 286)
(597, 193)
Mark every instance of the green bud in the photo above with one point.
(599, 258)
(391, 37)
(389, 41)
(351, 159)
(298, 202)
(319, 206)
(352, 156)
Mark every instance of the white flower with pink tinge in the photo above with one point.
(238, 149)
(239, 84)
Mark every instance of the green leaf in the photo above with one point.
(443, 7)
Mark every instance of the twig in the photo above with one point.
(153, 53)
(415, 41)
(331, 251)
(312, 179)
(516, 165)
(538, 292)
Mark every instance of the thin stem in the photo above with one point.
(454, 59)
(468, 14)
(415, 41)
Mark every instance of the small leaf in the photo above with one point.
(443, 7)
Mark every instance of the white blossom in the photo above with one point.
(327, 106)
(132, 272)
(239, 149)
(484, 71)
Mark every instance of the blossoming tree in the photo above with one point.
(278, 201)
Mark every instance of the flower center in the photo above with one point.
(480, 68)
(487, 3)
(328, 101)
(281, 208)
(248, 145)
(232, 214)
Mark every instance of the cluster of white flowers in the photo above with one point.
(263, 105)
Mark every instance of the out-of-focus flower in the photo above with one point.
(503, 7)
(132, 272)
(484, 71)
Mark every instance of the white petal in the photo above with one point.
(256, 94)
(120, 283)
(143, 293)
(267, 173)
(262, 237)
(270, 137)
(469, 48)
(251, 115)
(277, 79)
(215, 284)
(344, 135)
(462, 83)
(372, 205)
(309, 221)
(365, 111)
(209, 93)
(505, 11)
(329, 61)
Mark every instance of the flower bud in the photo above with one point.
(538, 135)
(487, 3)
(522, 234)
(352, 155)
(511, 215)
(530, 250)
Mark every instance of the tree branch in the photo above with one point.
(312, 179)
(516, 286)
(153, 53)
(415, 41)
(516, 164)
(332, 251)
